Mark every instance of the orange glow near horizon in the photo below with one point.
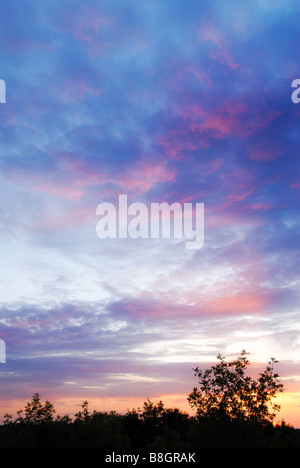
(289, 401)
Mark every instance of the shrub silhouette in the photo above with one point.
(226, 393)
(36, 412)
(156, 426)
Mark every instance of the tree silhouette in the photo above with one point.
(35, 412)
(225, 392)
(228, 401)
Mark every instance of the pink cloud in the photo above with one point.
(68, 192)
(73, 178)
(259, 206)
(179, 140)
(17, 45)
(196, 303)
(138, 178)
(78, 89)
(201, 75)
(199, 126)
(209, 33)
(239, 303)
(264, 152)
(237, 185)
(84, 23)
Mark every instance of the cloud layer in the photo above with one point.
(164, 102)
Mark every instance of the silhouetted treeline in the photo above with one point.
(153, 426)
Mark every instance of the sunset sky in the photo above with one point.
(163, 101)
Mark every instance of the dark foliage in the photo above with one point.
(226, 392)
(153, 426)
(233, 411)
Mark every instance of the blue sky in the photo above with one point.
(173, 101)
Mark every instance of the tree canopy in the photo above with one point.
(225, 392)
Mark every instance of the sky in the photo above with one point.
(162, 101)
